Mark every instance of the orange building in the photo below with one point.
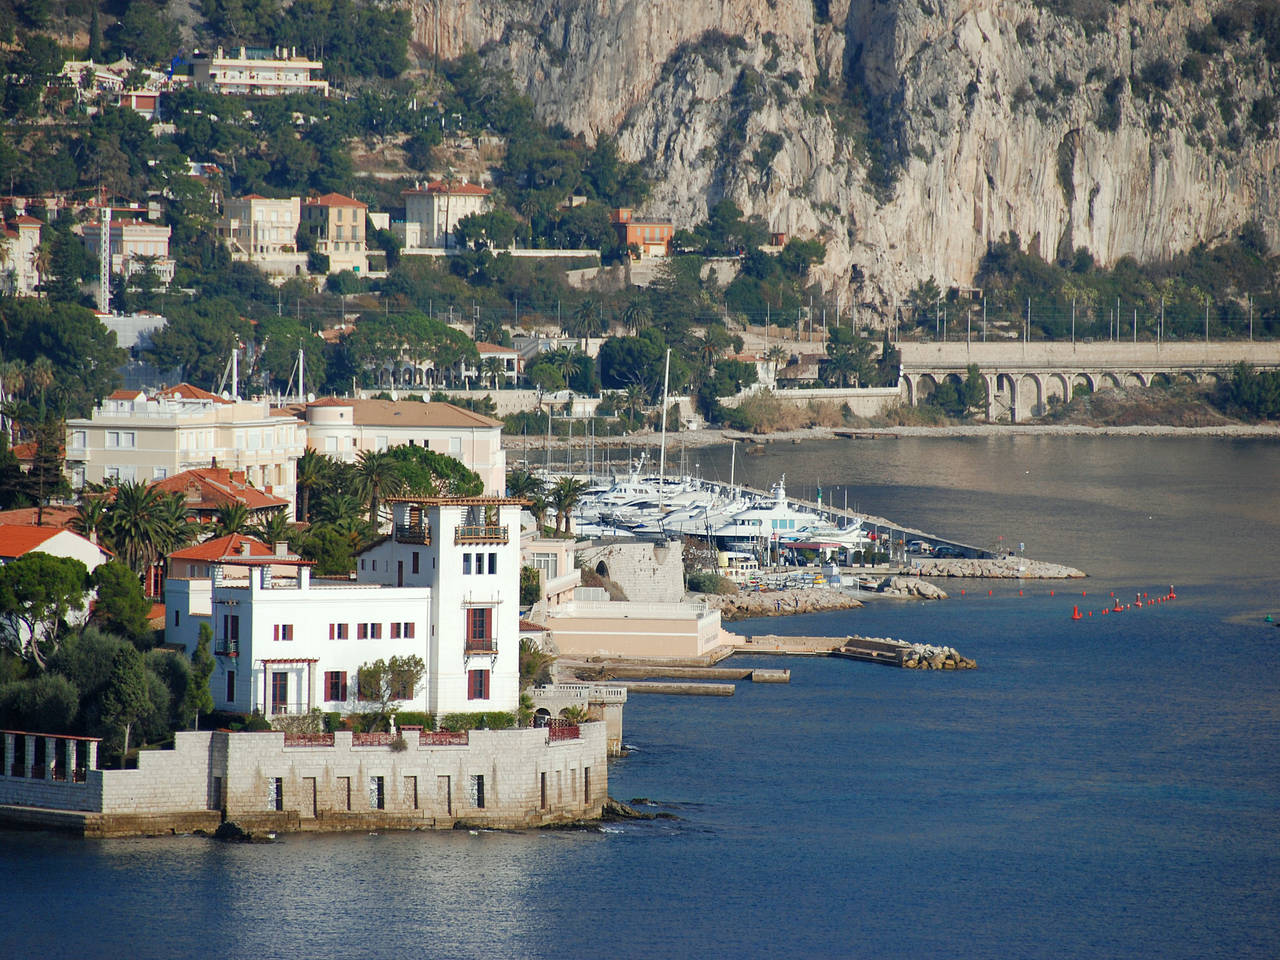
(651, 237)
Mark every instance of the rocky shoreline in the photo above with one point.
(777, 603)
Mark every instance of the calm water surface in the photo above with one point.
(1108, 787)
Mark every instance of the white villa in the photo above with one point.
(134, 244)
(432, 210)
(445, 586)
(18, 273)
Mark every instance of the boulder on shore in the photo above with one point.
(910, 587)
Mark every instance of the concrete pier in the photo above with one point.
(679, 689)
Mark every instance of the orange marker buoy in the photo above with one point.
(1051, 593)
(988, 593)
(1075, 613)
(1091, 613)
(1019, 593)
(962, 593)
(1084, 593)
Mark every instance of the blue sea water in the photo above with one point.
(1108, 787)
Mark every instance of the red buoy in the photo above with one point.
(1075, 613)
(1051, 593)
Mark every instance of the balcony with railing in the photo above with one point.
(413, 533)
(226, 647)
(481, 645)
(563, 731)
(480, 533)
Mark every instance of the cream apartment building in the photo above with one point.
(340, 234)
(133, 244)
(264, 231)
(344, 428)
(133, 436)
(258, 72)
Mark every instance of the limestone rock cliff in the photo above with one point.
(907, 133)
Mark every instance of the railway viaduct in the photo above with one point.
(1023, 378)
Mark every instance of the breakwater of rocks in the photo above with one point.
(899, 653)
(910, 587)
(1007, 568)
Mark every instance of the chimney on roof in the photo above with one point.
(282, 548)
(245, 547)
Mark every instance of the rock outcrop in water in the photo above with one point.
(909, 134)
(910, 587)
(743, 606)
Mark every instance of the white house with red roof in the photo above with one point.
(338, 227)
(135, 436)
(443, 586)
(18, 274)
(433, 209)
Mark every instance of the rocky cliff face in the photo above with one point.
(908, 133)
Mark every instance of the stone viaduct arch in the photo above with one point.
(1023, 379)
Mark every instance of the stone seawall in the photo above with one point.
(777, 603)
(510, 779)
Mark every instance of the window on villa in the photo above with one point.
(377, 793)
(395, 630)
(335, 686)
(477, 684)
(466, 564)
(478, 622)
(375, 631)
(338, 631)
(408, 630)
(362, 631)
(493, 563)
(415, 561)
(283, 631)
(231, 686)
(548, 564)
(476, 791)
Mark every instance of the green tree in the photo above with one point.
(37, 594)
(121, 606)
(126, 698)
(849, 358)
(198, 699)
(46, 704)
(382, 683)
(424, 472)
(535, 664)
(312, 467)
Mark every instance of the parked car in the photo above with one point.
(948, 553)
(919, 546)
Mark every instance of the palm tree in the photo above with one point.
(538, 510)
(585, 321)
(380, 477)
(135, 529)
(567, 363)
(492, 368)
(91, 518)
(272, 526)
(637, 316)
(564, 497)
(776, 356)
(634, 400)
(231, 518)
(311, 470)
(523, 484)
(175, 525)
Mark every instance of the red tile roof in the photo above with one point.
(185, 391)
(493, 348)
(25, 220)
(18, 540)
(208, 488)
(220, 548)
(126, 395)
(56, 518)
(528, 626)
(336, 200)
